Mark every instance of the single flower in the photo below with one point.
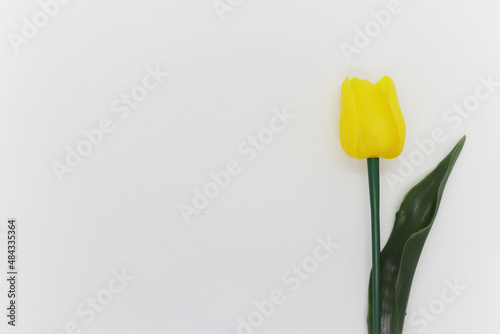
(371, 122)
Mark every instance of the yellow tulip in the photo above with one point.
(371, 122)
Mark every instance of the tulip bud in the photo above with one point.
(371, 122)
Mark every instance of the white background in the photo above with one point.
(119, 208)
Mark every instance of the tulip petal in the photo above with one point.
(349, 123)
(376, 120)
(388, 89)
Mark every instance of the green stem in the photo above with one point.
(373, 181)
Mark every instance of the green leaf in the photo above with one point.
(399, 258)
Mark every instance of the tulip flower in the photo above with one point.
(371, 122)
(372, 126)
